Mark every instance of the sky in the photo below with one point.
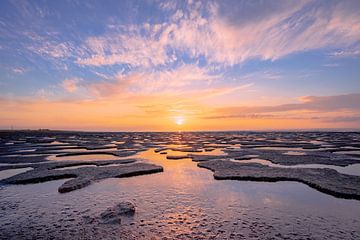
(179, 65)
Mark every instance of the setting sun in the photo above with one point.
(179, 120)
(182, 119)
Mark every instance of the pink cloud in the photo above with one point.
(313, 105)
(272, 38)
(160, 81)
(301, 26)
(126, 47)
(71, 84)
(51, 49)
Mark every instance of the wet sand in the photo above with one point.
(184, 201)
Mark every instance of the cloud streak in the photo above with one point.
(215, 62)
(309, 104)
(201, 30)
(154, 81)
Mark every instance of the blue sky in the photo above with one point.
(162, 60)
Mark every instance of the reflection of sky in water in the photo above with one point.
(293, 149)
(294, 153)
(186, 199)
(216, 151)
(83, 150)
(75, 167)
(353, 169)
(349, 152)
(57, 143)
(281, 148)
(85, 157)
(19, 155)
(89, 165)
(12, 172)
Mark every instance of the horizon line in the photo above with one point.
(182, 131)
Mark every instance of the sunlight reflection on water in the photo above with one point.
(185, 199)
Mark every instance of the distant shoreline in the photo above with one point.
(175, 131)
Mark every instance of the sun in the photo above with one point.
(179, 120)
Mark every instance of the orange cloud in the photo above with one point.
(157, 113)
(156, 82)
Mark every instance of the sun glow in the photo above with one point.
(179, 120)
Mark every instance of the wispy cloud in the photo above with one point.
(43, 94)
(49, 44)
(346, 53)
(261, 75)
(228, 60)
(126, 47)
(71, 84)
(202, 30)
(20, 70)
(220, 91)
(156, 82)
(309, 104)
(331, 65)
(343, 119)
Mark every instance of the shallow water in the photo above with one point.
(85, 157)
(12, 172)
(216, 151)
(57, 142)
(293, 149)
(84, 150)
(186, 202)
(76, 167)
(353, 169)
(183, 202)
(281, 148)
(349, 152)
(89, 165)
(294, 153)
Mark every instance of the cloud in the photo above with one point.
(154, 81)
(331, 65)
(346, 53)
(71, 84)
(229, 37)
(102, 75)
(330, 103)
(53, 49)
(159, 110)
(296, 28)
(44, 94)
(20, 70)
(127, 46)
(220, 91)
(343, 119)
(308, 105)
(168, 5)
(261, 75)
(180, 59)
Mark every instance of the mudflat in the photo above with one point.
(90, 185)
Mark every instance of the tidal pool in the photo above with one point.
(353, 169)
(83, 157)
(12, 172)
(183, 202)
